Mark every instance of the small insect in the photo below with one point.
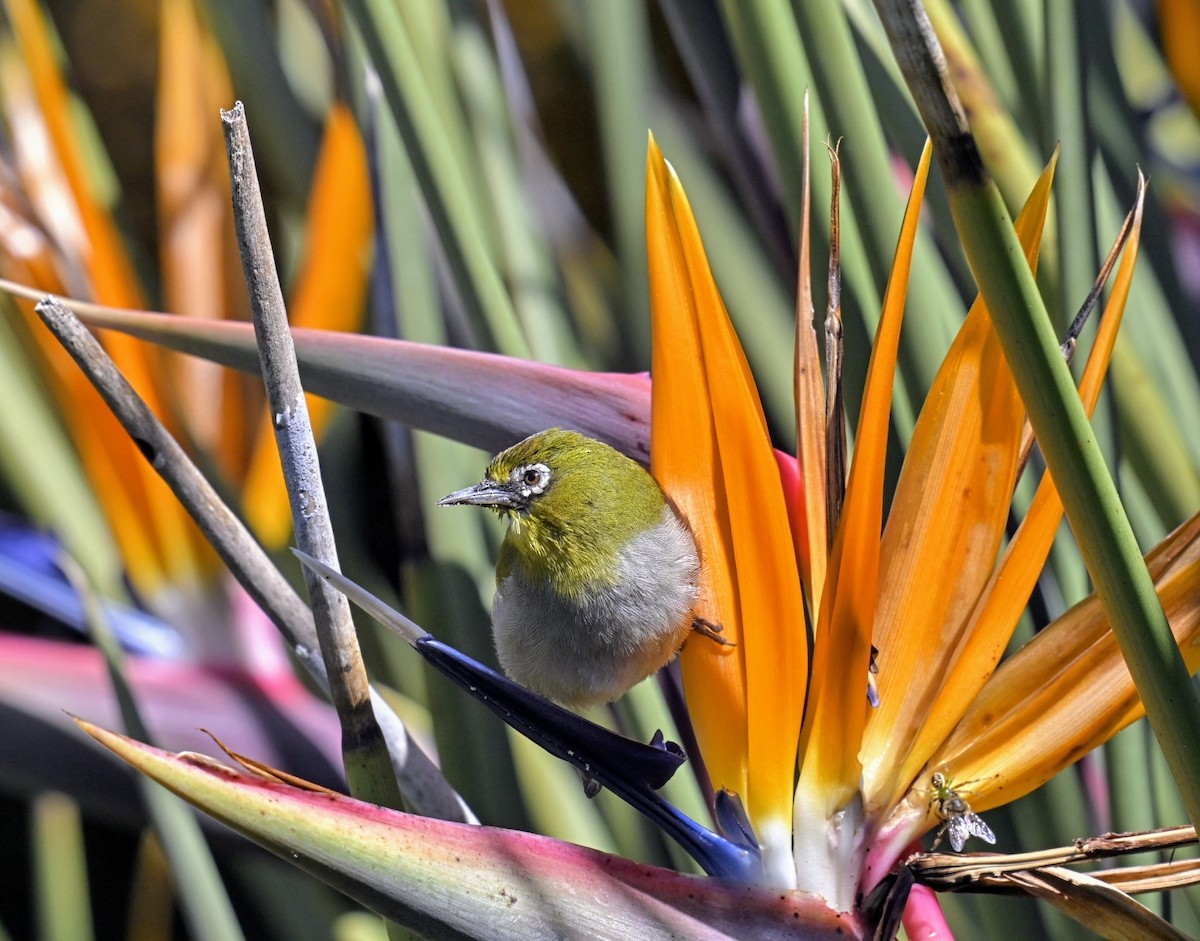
(960, 822)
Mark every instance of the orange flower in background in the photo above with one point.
(65, 242)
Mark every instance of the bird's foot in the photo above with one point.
(591, 787)
(711, 631)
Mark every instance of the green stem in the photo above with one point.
(1089, 497)
(452, 203)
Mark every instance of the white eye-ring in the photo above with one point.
(531, 478)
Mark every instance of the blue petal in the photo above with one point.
(629, 769)
(30, 574)
(732, 820)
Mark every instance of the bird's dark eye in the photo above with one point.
(532, 478)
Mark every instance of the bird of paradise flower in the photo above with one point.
(835, 790)
(935, 596)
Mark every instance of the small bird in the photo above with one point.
(598, 575)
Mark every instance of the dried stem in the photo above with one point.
(1100, 899)
(221, 527)
(835, 418)
(810, 407)
(1071, 341)
(944, 871)
(364, 751)
(423, 785)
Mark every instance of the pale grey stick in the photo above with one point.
(423, 785)
(221, 527)
(368, 768)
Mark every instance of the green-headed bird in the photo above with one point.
(598, 575)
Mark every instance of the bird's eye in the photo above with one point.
(532, 478)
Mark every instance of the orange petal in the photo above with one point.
(711, 452)
(837, 710)
(1068, 690)
(945, 528)
(198, 256)
(330, 294)
(1005, 598)
(1180, 25)
(340, 224)
(151, 528)
(113, 280)
(684, 460)
(27, 257)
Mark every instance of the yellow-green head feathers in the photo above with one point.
(598, 575)
(572, 503)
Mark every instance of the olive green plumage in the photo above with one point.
(597, 576)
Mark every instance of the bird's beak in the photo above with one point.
(484, 493)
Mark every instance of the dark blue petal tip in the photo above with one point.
(631, 770)
(732, 821)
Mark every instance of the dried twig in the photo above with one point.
(1100, 900)
(423, 785)
(810, 401)
(951, 871)
(364, 751)
(232, 541)
(835, 419)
